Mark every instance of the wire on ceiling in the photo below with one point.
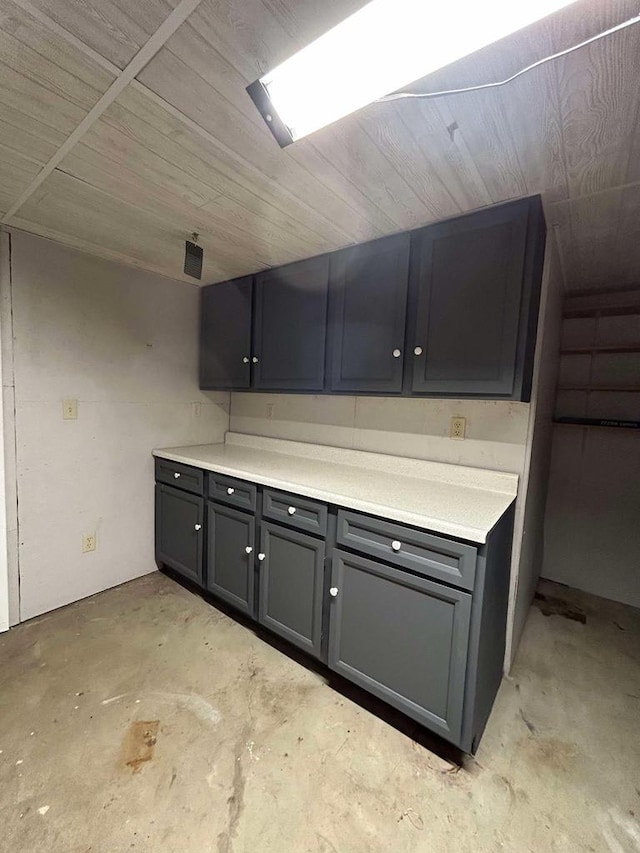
(424, 95)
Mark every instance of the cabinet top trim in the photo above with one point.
(450, 499)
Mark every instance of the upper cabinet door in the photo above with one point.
(289, 327)
(470, 280)
(367, 316)
(225, 334)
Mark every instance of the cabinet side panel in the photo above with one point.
(488, 630)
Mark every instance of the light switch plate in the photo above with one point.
(69, 410)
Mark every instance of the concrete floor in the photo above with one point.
(144, 719)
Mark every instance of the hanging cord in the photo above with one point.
(402, 95)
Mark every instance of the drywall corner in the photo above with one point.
(9, 583)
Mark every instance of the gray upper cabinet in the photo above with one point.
(225, 334)
(403, 638)
(368, 301)
(179, 523)
(230, 556)
(472, 283)
(291, 585)
(449, 310)
(289, 327)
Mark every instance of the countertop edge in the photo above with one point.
(471, 534)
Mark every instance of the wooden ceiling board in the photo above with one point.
(116, 29)
(16, 173)
(71, 208)
(213, 171)
(183, 148)
(334, 198)
(236, 250)
(28, 137)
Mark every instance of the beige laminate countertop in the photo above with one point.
(449, 499)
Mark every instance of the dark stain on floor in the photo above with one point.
(550, 606)
(139, 743)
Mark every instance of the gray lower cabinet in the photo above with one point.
(230, 556)
(403, 638)
(291, 585)
(415, 618)
(179, 525)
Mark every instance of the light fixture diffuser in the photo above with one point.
(385, 45)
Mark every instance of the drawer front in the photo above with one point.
(181, 476)
(229, 490)
(424, 553)
(301, 513)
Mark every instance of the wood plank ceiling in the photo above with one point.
(132, 167)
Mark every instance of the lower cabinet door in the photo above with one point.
(291, 585)
(179, 522)
(230, 556)
(402, 638)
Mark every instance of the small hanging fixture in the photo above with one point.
(193, 255)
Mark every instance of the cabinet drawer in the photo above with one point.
(301, 513)
(421, 552)
(181, 476)
(234, 492)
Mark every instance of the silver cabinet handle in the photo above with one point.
(396, 353)
(245, 359)
(248, 549)
(197, 527)
(291, 510)
(230, 490)
(255, 359)
(261, 556)
(177, 475)
(395, 545)
(417, 351)
(333, 591)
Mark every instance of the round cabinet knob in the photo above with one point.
(230, 490)
(177, 475)
(417, 351)
(396, 353)
(245, 359)
(291, 510)
(248, 549)
(261, 556)
(333, 591)
(395, 545)
(255, 359)
(197, 527)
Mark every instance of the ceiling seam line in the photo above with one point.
(63, 33)
(125, 77)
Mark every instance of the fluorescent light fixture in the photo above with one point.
(385, 45)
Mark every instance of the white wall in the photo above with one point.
(124, 344)
(592, 526)
(528, 545)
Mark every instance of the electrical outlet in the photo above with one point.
(88, 542)
(457, 429)
(270, 410)
(69, 410)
